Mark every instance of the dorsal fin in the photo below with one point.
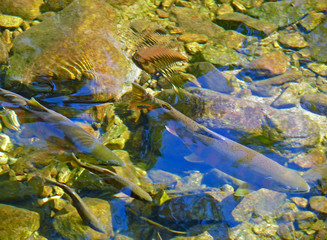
(36, 104)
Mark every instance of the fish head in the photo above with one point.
(290, 182)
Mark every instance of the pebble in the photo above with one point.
(293, 40)
(193, 48)
(319, 68)
(224, 9)
(7, 21)
(162, 13)
(269, 64)
(3, 52)
(319, 204)
(3, 158)
(308, 160)
(193, 37)
(299, 201)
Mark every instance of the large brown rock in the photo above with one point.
(75, 52)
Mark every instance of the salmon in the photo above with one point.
(222, 153)
(58, 127)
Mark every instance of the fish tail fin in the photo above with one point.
(141, 97)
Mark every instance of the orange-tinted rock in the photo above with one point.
(270, 64)
(73, 53)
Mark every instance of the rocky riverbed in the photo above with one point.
(262, 67)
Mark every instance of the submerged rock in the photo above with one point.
(281, 13)
(293, 40)
(237, 18)
(269, 64)
(75, 52)
(17, 223)
(221, 56)
(27, 9)
(7, 21)
(263, 203)
(316, 103)
(319, 204)
(317, 43)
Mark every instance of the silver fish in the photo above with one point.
(57, 126)
(220, 152)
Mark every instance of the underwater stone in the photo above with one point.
(269, 64)
(190, 208)
(221, 56)
(311, 21)
(305, 219)
(263, 203)
(293, 40)
(316, 103)
(7, 21)
(17, 223)
(78, 50)
(193, 22)
(319, 204)
(27, 9)
(233, 20)
(3, 52)
(280, 13)
(317, 42)
(69, 224)
(319, 68)
(288, 98)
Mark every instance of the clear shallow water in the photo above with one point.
(198, 199)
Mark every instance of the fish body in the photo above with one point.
(220, 152)
(83, 210)
(57, 126)
(113, 178)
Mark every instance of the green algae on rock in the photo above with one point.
(17, 223)
(76, 52)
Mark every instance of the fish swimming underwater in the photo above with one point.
(222, 153)
(58, 128)
(83, 210)
(115, 179)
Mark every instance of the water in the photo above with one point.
(246, 95)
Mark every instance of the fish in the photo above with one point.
(58, 128)
(115, 179)
(83, 210)
(223, 153)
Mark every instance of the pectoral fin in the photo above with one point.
(193, 158)
(171, 131)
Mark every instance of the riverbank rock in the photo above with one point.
(17, 223)
(76, 52)
(27, 9)
(70, 225)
